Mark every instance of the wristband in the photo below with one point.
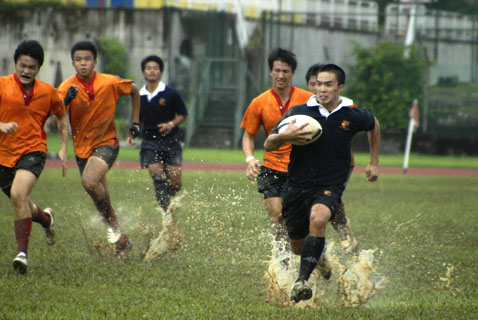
(249, 159)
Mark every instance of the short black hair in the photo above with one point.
(335, 69)
(84, 45)
(284, 56)
(313, 70)
(31, 48)
(154, 58)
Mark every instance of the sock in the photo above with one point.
(172, 191)
(162, 188)
(23, 228)
(311, 252)
(41, 217)
(106, 210)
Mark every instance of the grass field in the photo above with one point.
(420, 226)
(237, 156)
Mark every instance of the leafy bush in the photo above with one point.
(386, 82)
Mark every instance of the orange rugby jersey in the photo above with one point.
(92, 112)
(266, 110)
(30, 113)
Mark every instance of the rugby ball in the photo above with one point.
(300, 119)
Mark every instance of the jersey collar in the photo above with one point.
(27, 97)
(282, 109)
(144, 92)
(343, 103)
(89, 87)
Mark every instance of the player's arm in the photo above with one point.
(291, 133)
(62, 122)
(135, 102)
(371, 171)
(166, 127)
(134, 129)
(253, 165)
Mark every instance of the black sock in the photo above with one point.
(162, 186)
(311, 252)
(172, 191)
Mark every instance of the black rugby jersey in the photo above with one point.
(163, 107)
(326, 161)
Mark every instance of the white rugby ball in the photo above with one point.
(300, 119)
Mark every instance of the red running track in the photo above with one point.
(209, 166)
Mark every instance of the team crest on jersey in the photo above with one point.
(345, 125)
(328, 193)
(162, 101)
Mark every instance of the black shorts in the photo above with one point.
(107, 153)
(33, 162)
(172, 157)
(271, 182)
(297, 203)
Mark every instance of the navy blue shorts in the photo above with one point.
(153, 152)
(33, 162)
(297, 203)
(106, 153)
(271, 182)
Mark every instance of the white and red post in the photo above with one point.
(412, 125)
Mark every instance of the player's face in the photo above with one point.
(27, 69)
(312, 84)
(152, 72)
(281, 75)
(84, 63)
(328, 89)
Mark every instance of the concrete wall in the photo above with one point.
(145, 32)
(141, 32)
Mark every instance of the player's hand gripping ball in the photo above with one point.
(300, 119)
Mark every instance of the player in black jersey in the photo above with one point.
(162, 110)
(318, 171)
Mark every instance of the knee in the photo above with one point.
(318, 221)
(17, 198)
(275, 217)
(89, 185)
(275, 211)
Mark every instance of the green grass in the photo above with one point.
(420, 225)
(237, 156)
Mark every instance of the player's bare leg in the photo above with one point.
(167, 182)
(19, 196)
(94, 182)
(274, 208)
(174, 174)
(342, 225)
(281, 246)
(46, 219)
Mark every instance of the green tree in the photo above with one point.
(469, 7)
(114, 59)
(386, 82)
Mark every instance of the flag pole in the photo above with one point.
(408, 145)
(411, 127)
